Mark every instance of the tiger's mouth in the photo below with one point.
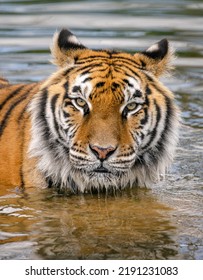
(101, 169)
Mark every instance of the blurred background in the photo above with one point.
(26, 30)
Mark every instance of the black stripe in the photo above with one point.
(154, 131)
(88, 67)
(146, 101)
(42, 118)
(76, 89)
(128, 83)
(96, 65)
(164, 135)
(97, 92)
(90, 70)
(66, 72)
(53, 108)
(49, 182)
(77, 157)
(143, 64)
(134, 134)
(22, 177)
(87, 79)
(11, 95)
(137, 93)
(126, 60)
(91, 58)
(149, 78)
(100, 84)
(122, 162)
(66, 87)
(73, 131)
(159, 148)
(169, 112)
(42, 115)
(103, 70)
(8, 113)
(123, 66)
(146, 117)
(67, 103)
(66, 115)
(148, 91)
(22, 113)
(85, 70)
(22, 153)
(25, 108)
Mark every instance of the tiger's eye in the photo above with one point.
(131, 106)
(80, 102)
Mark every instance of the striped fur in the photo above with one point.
(102, 120)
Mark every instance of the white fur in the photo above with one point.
(153, 48)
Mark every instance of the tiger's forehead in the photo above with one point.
(109, 74)
(92, 88)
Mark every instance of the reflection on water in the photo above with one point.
(164, 222)
(126, 225)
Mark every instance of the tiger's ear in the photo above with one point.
(64, 49)
(157, 59)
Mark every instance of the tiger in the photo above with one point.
(103, 120)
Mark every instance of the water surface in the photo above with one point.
(161, 222)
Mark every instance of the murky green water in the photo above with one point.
(163, 222)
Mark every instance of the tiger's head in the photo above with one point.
(104, 119)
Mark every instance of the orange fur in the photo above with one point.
(13, 141)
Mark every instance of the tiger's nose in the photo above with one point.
(102, 153)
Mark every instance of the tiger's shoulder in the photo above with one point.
(15, 96)
(7, 88)
(14, 129)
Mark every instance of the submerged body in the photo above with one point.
(102, 120)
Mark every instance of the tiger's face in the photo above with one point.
(113, 121)
(105, 138)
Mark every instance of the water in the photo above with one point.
(161, 222)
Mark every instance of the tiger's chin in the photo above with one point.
(100, 179)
